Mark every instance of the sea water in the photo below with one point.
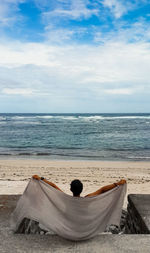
(75, 136)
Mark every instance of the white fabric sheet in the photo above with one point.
(73, 218)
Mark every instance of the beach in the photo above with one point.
(15, 174)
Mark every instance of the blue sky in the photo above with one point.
(74, 56)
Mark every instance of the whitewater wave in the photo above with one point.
(129, 117)
(139, 157)
(22, 117)
(74, 117)
(27, 123)
(44, 117)
(2, 118)
(67, 117)
(91, 118)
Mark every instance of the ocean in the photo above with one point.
(77, 136)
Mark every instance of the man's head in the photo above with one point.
(76, 187)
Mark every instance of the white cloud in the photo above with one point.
(117, 68)
(119, 91)
(16, 91)
(75, 13)
(116, 7)
(17, 54)
(54, 35)
(120, 7)
(138, 31)
(60, 36)
(9, 12)
(74, 9)
(74, 77)
(84, 9)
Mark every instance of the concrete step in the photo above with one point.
(103, 243)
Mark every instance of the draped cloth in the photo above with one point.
(74, 218)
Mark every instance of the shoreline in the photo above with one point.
(37, 158)
(16, 173)
(72, 159)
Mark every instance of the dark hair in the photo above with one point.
(76, 187)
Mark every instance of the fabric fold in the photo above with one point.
(73, 218)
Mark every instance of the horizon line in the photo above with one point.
(74, 112)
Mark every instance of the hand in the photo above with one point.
(122, 181)
(36, 177)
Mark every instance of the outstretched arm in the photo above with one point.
(106, 188)
(46, 181)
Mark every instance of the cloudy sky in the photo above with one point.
(74, 56)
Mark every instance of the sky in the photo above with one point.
(73, 56)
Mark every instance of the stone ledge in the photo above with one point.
(99, 244)
(103, 243)
(138, 218)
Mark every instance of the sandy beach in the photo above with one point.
(15, 174)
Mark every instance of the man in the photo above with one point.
(76, 186)
(29, 226)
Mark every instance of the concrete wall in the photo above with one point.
(138, 216)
